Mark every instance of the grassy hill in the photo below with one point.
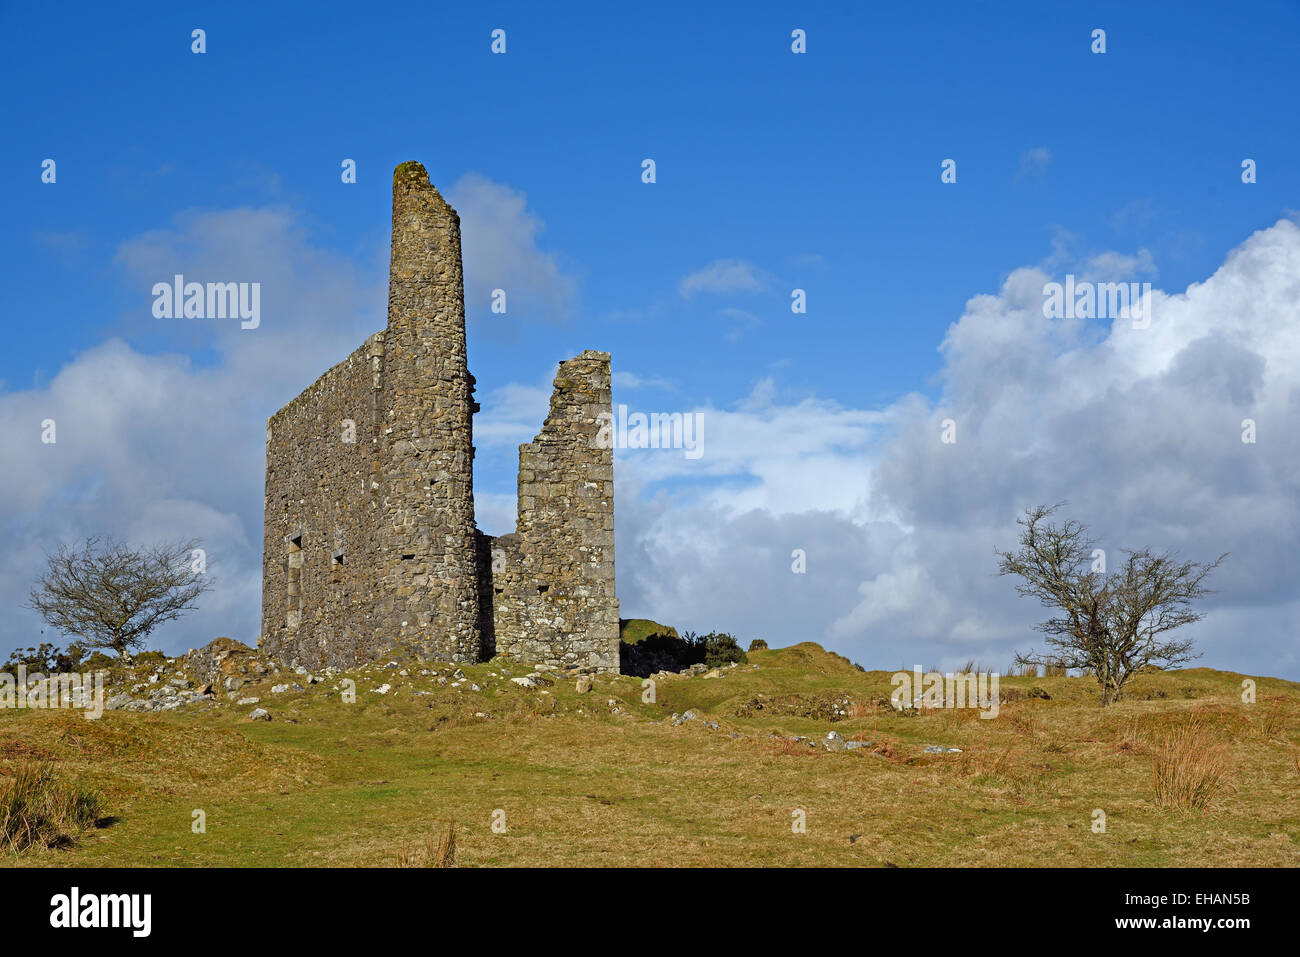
(603, 778)
(634, 630)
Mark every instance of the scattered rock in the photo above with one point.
(382, 689)
(679, 719)
(279, 689)
(259, 714)
(222, 659)
(247, 701)
(584, 684)
(834, 741)
(939, 749)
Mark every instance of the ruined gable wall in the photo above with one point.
(552, 581)
(320, 491)
(428, 559)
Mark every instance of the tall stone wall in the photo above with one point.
(321, 517)
(427, 572)
(369, 535)
(553, 579)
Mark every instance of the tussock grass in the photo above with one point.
(1190, 763)
(1278, 717)
(439, 850)
(36, 809)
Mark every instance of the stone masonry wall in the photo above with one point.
(427, 570)
(321, 517)
(553, 579)
(369, 534)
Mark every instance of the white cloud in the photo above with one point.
(722, 276)
(1140, 429)
(513, 413)
(630, 380)
(1034, 162)
(499, 237)
(152, 447)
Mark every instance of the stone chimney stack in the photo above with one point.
(427, 513)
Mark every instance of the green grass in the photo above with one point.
(367, 784)
(633, 630)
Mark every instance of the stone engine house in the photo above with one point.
(370, 538)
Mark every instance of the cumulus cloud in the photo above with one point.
(151, 445)
(1139, 429)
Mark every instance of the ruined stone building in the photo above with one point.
(370, 538)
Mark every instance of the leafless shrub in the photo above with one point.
(1111, 623)
(112, 595)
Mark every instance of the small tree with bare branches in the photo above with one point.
(111, 595)
(1112, 624)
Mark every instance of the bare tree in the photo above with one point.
(112, 595)
(1111, 625)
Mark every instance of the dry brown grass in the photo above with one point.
(1025, 722)
(324, 784)
(1278, 717)
(38, 810)
(1190, 762)
(789, 747)
(439, 850)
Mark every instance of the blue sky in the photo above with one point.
(774, 171)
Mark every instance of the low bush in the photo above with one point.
(669, 652)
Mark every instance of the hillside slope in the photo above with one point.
(603, 777)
